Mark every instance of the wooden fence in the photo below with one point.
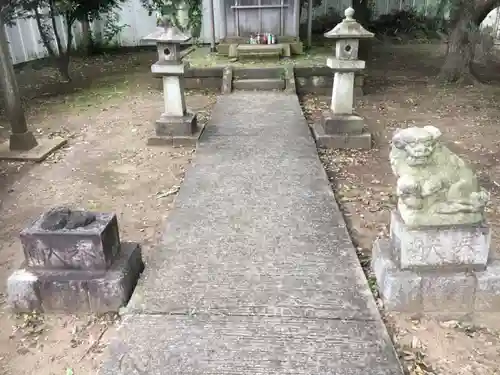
(25, 43)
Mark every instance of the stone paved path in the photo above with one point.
(256, 273)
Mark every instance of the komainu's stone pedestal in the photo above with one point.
(74, 265)
(441, 271)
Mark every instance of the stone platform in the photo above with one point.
(256, 272)
(450, 295)
(74, 262)
(441, 271)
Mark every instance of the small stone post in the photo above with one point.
(176, 126)
(340, 126)
(22, 144)
(74, 262)
(437, 260)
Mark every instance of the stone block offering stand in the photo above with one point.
(74, 262)
(340, 126)
(177, 126)
(437, 260)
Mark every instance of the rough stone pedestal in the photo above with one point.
(441, 271)
(16, 148)
(74, 262)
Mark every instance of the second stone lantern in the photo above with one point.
(177, 126)
(340, 126)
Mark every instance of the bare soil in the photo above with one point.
(105, 167)
(401, 92)
(107, 112)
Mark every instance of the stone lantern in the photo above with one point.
(176, 126)
(340, 126)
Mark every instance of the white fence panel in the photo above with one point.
(25, 42)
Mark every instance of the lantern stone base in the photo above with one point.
(361, 140)
(342, 124)
(44, 147)
(341, 132)
(176, 125)
(77, 291)
(176, 131)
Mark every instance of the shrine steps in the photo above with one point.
(266, 79)
(259, 84)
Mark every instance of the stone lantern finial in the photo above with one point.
(349, 14)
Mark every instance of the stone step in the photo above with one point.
(259, 84)
(258, 73)
(259, 49)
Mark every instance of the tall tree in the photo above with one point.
(21, 138)
(465, 18)
(46, 12)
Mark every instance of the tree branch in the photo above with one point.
(54, 27)
(69, 31)
(43, 32)
(484, 7)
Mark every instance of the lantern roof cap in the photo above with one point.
(166, 32)
(349, 28)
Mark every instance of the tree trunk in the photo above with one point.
(62, 64)
(460, 51)
(87, 36)
(60, 55)
(465, 18)
(21, 138)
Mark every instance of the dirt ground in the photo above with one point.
(107, 112)
(106, 167)
(469, 118)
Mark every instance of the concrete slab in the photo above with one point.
(45, 147)
(256, 245)
(201, 345)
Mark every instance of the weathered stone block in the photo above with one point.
(177, 141)
(340, 141)
(342, 124)
(456, 247)
(400, 290)
(488, 289)
(172, 126)
(448, 292)
(23, 291)
(83, 291)
(63, 291)
(93, 246)
(114, 289)
(227, 80)
(381, 259)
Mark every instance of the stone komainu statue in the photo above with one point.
(435, 186)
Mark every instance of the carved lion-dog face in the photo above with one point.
(418, 143)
